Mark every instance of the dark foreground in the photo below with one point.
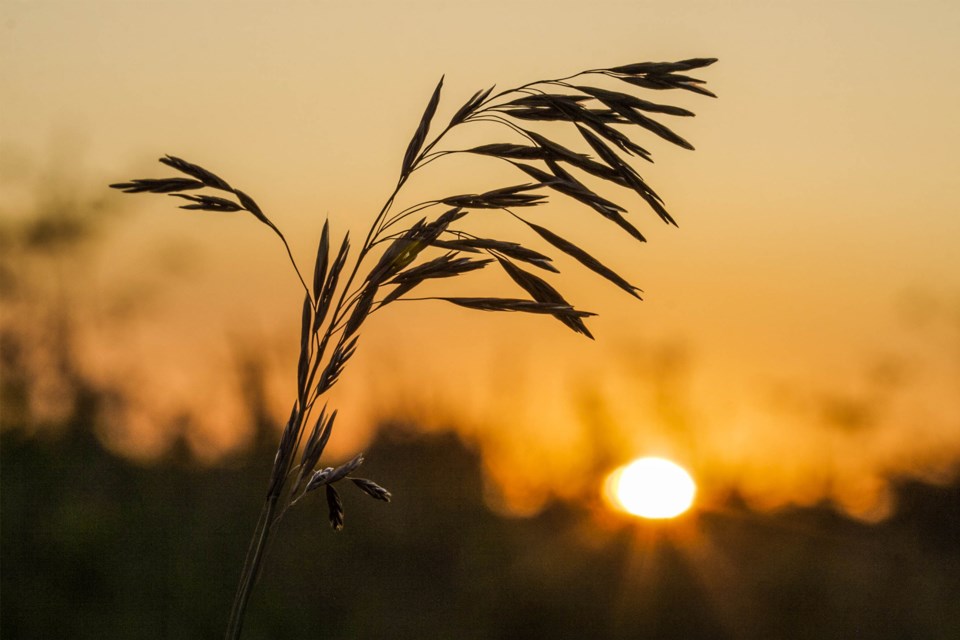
(96, 547)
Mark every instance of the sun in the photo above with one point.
(651, 488)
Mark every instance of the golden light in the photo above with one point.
(651, 488)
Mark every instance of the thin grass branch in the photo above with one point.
(386, 268)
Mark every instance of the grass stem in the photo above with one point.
(251, 569)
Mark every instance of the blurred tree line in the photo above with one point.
(94, 546)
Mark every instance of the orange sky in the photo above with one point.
(823, 195)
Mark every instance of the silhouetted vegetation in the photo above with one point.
(382, 275)
(94, 546)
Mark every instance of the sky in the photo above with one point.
(814, 272)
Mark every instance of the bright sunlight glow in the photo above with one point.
(651, 488)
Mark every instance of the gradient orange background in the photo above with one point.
(815, 268)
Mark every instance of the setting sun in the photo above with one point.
(651, 488)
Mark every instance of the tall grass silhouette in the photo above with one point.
(427, 241)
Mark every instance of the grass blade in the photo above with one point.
(372, 489)
(541, 291)
(208, 178)
(420, 136)
(584, 258)
(445, 266)
(330, 285)
(158, 185)
(470, 106)
(207, 203)
(628, 176)
(316, 443)
(610, 98)
(335, 508)
(663, 67)
(510, 249)
(303, 363)
(514, 304)
(323, 257)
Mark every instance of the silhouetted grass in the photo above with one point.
(404, 249)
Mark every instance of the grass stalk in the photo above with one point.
(438, 247)
(251, 569)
